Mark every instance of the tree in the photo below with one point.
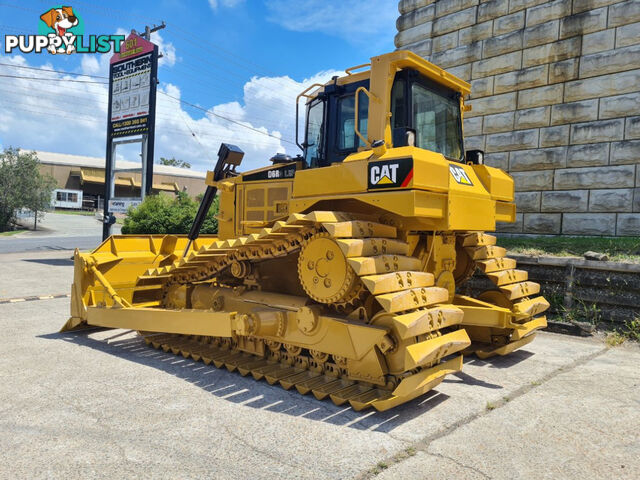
(22, 186)
(172, 162)
(166, 215)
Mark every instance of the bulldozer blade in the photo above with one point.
(75, 324)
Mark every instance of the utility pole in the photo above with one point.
(149, 30)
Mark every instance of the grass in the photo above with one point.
(621, 249)
(631, 331)
(83, 213)
(614, 339)
(11, 232)
(380, 467)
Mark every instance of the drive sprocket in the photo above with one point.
(324, 272)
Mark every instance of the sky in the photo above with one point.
(245, 60)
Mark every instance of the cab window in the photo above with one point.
(347, 138)
(398, 105)
(436, 119)
(315, 122)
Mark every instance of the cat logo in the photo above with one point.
(460, 175)
(390, 173)
(384, 174)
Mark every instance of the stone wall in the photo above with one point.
(556, 101)
(579, 289)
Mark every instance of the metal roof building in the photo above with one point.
(77, 172)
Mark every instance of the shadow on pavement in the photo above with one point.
(55, 262)
(258, 394)
(500, 362)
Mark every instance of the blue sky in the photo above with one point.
(245, 59)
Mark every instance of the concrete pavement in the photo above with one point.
(101, 404)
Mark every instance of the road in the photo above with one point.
(101, 404)
(13, 244)
(57, 232)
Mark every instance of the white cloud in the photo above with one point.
(168, 51)
(214, 4)
(71, 118)
(358, 21)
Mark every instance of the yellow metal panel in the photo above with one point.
(339, 178)
(505, 212)
(499, 184)
(188, 322)
(466, 212)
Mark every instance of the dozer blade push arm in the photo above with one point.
(229, 157)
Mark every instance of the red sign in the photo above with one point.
(133, 46)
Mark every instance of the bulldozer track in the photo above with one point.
(419, 312)
(516, 292)
(359, 395)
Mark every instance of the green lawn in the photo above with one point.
(84, 213)
(622, 249)
(11, 232)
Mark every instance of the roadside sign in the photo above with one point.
(121, 205)
(133, 76)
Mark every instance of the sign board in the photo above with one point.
(121, 205)
(132, 93)
(133, 76)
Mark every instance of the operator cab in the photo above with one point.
(424, 114)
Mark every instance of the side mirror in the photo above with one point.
(403, 137)
(474, 157)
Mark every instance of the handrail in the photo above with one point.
(349, 71)
(303, 94)
(371, 97)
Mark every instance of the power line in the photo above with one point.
(223, 117)
(51, 70)
(53, 79)
(208, 111)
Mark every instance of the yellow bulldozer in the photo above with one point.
(335, 272)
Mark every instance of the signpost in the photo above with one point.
(121, 205)
(133, 76)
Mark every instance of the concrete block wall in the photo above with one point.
(556, 101)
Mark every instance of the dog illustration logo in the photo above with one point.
(61, 30)
(60, 20)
